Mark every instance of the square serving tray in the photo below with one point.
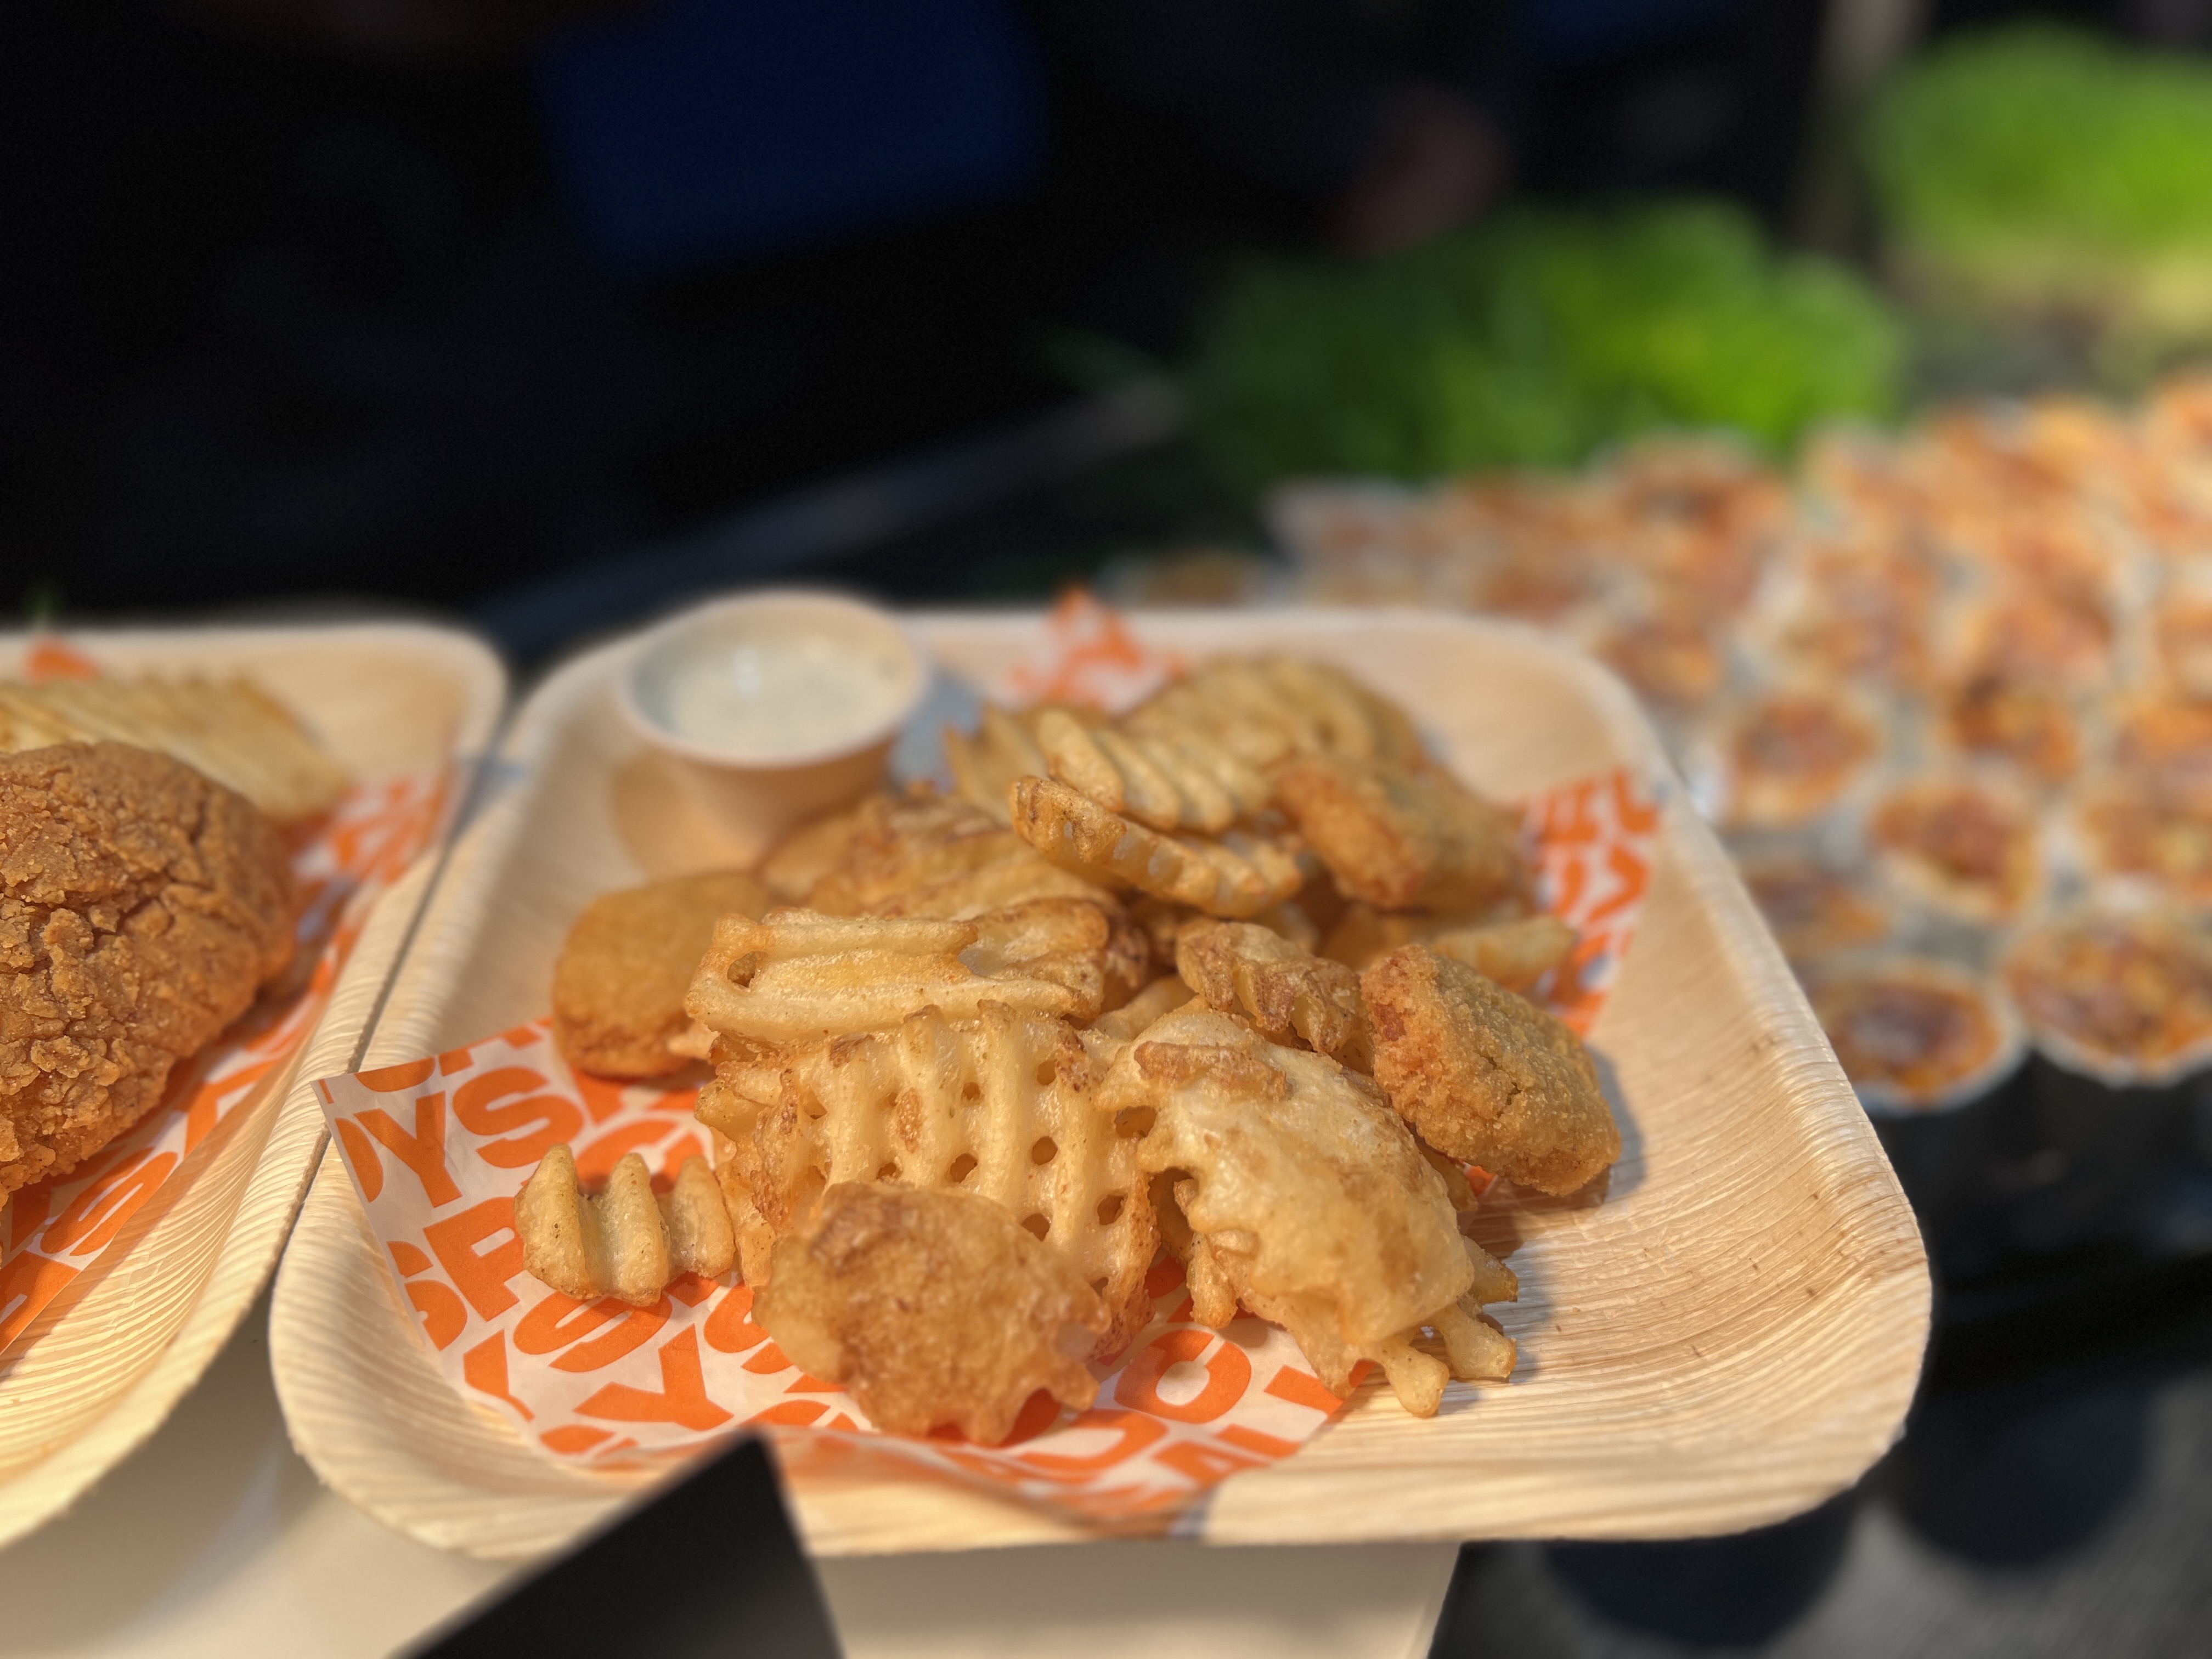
(1734, 1334)
(77, 1398)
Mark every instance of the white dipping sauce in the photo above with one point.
(784, 696)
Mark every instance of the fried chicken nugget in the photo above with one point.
(1402, 839)
(930, 1309)
(1485, 1076)
(141, 908)
(1301, 1195)
(1289, 994)
(619, 982)
(1236, 875)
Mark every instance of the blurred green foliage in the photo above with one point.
(1533, 340)
(2041, 167)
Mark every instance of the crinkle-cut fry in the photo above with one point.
(1288, 993)
(985, 766)
(229, 730)
(1064, 940)
(1402, 839)
(625, 1242)
(812, 851)
(1001, 1107)
(931, 1308)
(1306, 1201)
(796, 977)
(1167, 779)
(1236, 875)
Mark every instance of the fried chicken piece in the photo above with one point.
(1402, 839)
(1485, 1076)
(930, 1309)
(1288, 993)
(618, 986)
(141, 908)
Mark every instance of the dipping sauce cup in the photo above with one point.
(775, 706)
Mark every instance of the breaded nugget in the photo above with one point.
(1485, 1076)
(140, 907)
(930, 1309)
(618, 986)
(1402, 839)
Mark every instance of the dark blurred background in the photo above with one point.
(429, 300)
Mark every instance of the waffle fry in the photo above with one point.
(624, 1242)
(926, 854)
(1289, 994)
(229, 730)
(984, 767)
(1266, 710)
(1401, 839)
(1236, 875)
(798, 977)
(1000, 1106)
(1170, 780)
(931, 1308)
(1304, 1197)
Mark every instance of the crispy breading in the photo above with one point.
(1000, 1106)
(1401, 839)
(812, 851)
(984, 767)
(1484, 1075)
(1236, 875)
(1290, 994)
(140, 907)
(796, 977)
(1168, 778)
(1514, 950)
(618, 984)
(624, 1242)
(931, 1308)
(229, 730)
(1305, 1198)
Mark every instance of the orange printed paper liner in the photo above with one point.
(57, 1233)
(438, 1148)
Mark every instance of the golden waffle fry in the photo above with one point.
(1170, 779)
(1001, 1107)
(1401, 839)
(625, 1242)
(229, 731)
(1264, 711)
(1288, 992)
(1485, 1076)
(926, 854)
(1236, 875)
(931, 1308)
(984, 767)
(797, 976)
(1162, 996)
(1515, 954)
(1307, 1199)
